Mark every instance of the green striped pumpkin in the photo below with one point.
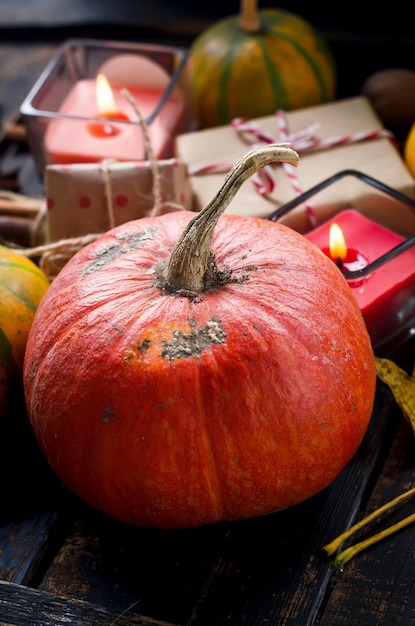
(251, 64)
(22, 286)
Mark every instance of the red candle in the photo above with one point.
(74, 140)
(386, 296)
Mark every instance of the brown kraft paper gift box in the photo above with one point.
(85, 199)
(376, 157)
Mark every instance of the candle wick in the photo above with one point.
(339, 263)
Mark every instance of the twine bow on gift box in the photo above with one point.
(302, 141)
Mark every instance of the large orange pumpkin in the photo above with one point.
(251, 64)
(186, 369)
(22, 286)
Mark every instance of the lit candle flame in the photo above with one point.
(104, 96)
(337, 243)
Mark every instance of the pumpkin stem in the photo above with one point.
(191, 268)
(249, 20)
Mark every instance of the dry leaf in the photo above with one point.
(401, 384)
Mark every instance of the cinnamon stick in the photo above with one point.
(16, 204)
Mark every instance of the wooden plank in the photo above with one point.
(116, 565)
(23, 606)
(24, 544)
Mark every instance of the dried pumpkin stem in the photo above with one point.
(331, 547)
(345, 556)
(191, 267)
(249, 20)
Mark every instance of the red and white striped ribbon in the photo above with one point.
(303, 140)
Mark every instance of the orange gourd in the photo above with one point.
(22, 286)
(191, 368)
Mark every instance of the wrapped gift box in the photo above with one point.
(85, 199)
(375, 157)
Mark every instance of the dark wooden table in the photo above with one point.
(63, 563)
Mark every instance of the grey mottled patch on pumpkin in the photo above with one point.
(128, 242)
(242, 275)
(185, 345)
(144, 345)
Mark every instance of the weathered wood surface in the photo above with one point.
(62, 563)
(29, 607)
